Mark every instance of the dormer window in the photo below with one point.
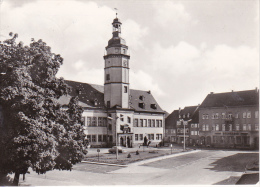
(79, 91)
(141, 105)
(153, 106)
(95, 102)
(141, 97)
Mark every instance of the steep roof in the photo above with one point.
(92, 96)
(170, 121)
(231, 99)
(188, 110)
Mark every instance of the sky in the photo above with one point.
(179, 50)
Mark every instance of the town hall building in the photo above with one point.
(114, 114)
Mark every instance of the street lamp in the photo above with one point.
(116, 135)
(184, 132)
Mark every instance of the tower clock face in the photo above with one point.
(116, 50)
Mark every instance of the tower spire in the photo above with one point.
(116, 11)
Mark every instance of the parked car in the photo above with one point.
(119, 148)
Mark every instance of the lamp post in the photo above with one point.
(184, 133)
(116, 134)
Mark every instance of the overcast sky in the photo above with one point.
(180, 50)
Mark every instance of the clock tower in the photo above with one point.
(116, 83)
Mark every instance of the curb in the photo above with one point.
(103, 163)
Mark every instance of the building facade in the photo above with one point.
(114, 114)
(179, 120)
(230, 119)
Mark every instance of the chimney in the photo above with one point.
(211, 92)
(149, 92)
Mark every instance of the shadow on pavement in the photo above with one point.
(237, 162)
(251, 178)
(230, 181)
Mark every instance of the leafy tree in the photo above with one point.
(36, 131)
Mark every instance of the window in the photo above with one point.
(136, 123)
(244, 114)
(178, 130)
(157, 136)
(229, 116)
(128, 120)
(216, 116)
(187, 130)
(141, 122)
(99, 138)
(185, 123)
(160, 136)
(136, 137)
(230, 127)
(107, 77)
(83, 119)
(100, 124)
(166, 131)
(203, 127)
(195, 125)
(248, 114)
(94, 121)
(149, 123)
(207, 127)
(125, 89)
(223, 127)
(192, 125)
(213, 127)
(178, 123)
(153, 123)
(93, 138)
(157, 123)
(121, 117)
(160, 123)
(89, 138)
(141, 97)
(256, 114)
(195, 132)
(237, 127)
(104, 122)
(152, 136)
(141, 105)
(256, 127)
(88, 121)
(183, 116)
(223, 115)
(236, 115)
(173, 131)
(244, 127)
(104, 137)
(110, 127)
(217, 127)
(191, 132)
(124, 51)
(206, 116)
(141, 136)
(213, 115)
(145, 122)
(249, 127)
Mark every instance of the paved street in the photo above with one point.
(198, 167)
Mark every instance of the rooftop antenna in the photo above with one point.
(116, 11)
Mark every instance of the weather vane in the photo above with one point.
(116, 11)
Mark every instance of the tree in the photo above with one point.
(36, 131)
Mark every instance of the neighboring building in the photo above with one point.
(188, 117)
(114, 113)
(174, 126)
(170, 127)
(230, 119)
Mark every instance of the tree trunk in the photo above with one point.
(16, 178)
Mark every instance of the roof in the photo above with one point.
(231, 99)
(92, 96)
(188, 110)
(170, 121)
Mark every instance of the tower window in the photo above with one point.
(108, 77)
(125, 89)
(124, 51)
